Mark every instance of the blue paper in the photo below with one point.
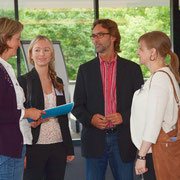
(173, 139)
(56, 111)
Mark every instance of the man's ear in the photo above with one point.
(113, 38)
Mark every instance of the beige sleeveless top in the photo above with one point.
(50, 131)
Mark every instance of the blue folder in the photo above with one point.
(56, 111)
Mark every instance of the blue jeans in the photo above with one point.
(96, 167)
(12, 168)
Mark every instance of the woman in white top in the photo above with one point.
(52, 144)
(14, 128)
(154, 106)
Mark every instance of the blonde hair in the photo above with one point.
(162, 43)
(8, 28)
(51, 69)
(112, 27)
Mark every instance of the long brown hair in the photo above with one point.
(51, 69)
(162, 43)
(112, 27)
(8, 28)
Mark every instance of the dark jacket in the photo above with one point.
(89, 100)
(37, 101)
(11, 140)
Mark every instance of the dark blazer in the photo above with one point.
(11, 140)
(37, 101)
(89, 100)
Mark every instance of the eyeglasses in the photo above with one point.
(99, 35)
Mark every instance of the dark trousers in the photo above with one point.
(150, 174)
(45, 162)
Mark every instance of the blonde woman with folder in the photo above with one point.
(52, 143)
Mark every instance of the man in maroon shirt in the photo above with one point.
(103, 97)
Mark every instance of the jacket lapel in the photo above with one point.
(98, 83)
(98, 79)
(37, 90)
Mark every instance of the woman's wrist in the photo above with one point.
(141, 157)
(26, 113)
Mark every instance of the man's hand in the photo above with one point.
(99, 121)
(115, 118)
(70, 158)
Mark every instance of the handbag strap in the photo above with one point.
(175, 94)
(177, 101)
(174, 90)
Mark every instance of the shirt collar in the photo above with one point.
(102, 61)
(4, 63)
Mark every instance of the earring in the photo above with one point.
(152, 58)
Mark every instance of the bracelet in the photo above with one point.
(141, 157)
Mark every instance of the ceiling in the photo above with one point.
(81, 3)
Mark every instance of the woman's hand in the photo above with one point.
(70, 158)
(35, 124)
(140, 166)
(33, 113)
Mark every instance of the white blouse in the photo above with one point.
(154, 107)
(20, 98)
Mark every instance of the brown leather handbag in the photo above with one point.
(166, 153)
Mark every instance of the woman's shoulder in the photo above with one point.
(23, 78)
(29, 75)
(26, 78)
(161, 79)
(161, 76)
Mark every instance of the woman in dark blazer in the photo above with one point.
(13, 122)
(52, 143)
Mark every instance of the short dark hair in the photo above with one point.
(112, 27)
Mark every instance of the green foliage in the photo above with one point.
(72, 27)
(7, 13)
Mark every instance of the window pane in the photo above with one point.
(135, 21)
(72, 27)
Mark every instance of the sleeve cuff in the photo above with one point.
(22, 114)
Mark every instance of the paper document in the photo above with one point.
(173, 139)
(56, 111)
